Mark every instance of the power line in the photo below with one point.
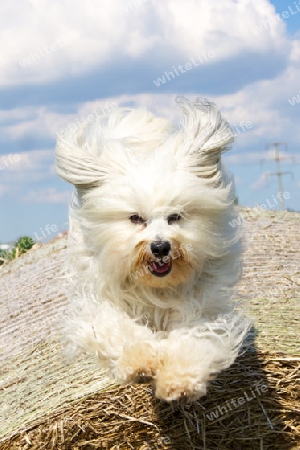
(278, 172)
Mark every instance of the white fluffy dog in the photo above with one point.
(152, 257)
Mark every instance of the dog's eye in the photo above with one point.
(173, 218)
(135, 218)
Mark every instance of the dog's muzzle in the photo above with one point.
(162, 264)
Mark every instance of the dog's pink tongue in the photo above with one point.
(159, 267)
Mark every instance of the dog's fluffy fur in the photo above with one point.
(152, 257)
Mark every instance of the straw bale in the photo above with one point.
(46, 404)
(129, 417)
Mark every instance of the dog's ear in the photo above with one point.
(77, 161)
(206, 133)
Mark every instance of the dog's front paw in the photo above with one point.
(143, 375)
(180, 386)
(137, 364)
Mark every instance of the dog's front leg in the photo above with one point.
(185, 367)
(137, 362)
(127, 349)
(190, 357)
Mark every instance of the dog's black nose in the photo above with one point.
(160, 248)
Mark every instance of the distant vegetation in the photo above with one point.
(21, 246)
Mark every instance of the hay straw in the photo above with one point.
(129, 417)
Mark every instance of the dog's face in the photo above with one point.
(161, 258)
(152, 226)
(147, 235)
(153, 202)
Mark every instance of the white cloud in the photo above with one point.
(36, 122)
(48, 195)
(22, 174)
(19, 170)
(3, 190)
(261, 182)
(25, 162)
(225, 27)
(295, 52)
(72, 39)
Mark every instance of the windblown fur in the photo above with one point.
(153, 259)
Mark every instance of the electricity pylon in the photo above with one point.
(278, 172)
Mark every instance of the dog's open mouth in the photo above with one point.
(160, 268)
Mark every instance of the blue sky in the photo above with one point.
(62, 60)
